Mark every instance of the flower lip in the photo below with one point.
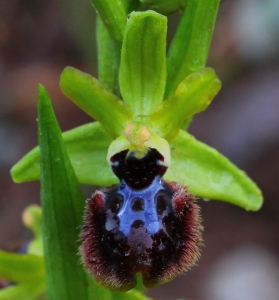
(159, 240)
(138, 173)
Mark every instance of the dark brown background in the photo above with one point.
(240, 258)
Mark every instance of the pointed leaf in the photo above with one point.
(62, 205)
(209, 174)
(113, 14)
(87, 148)
(143, 62)
(30, 290)
(192, 96)
(20, 267)
(189, 48)
(90, 95)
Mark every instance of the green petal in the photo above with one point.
(29, 290)
(113, 14)
(90, 95)
(62, 206)
(209, 174)
(143, 62)
(193, 95)
(87, 148)
(20, 267)
(189, 48)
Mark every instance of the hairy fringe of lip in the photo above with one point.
(155, 232)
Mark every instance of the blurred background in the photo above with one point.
(240, 259)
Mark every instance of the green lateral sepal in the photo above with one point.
(211, 175)
(87, 147)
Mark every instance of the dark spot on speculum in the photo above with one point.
(137, 204)
(114, 202)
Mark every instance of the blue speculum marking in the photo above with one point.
(148, 214)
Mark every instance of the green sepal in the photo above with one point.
(192, 96)
(143, 62)
(30, 290)
(62, 206)
(210, 175)
(91, 96)
(20, 267)
(189, 48)
(87, 146)
(113, 14)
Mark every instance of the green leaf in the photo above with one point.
(108, 58)
(30, 290)
(62, 205)
(209, 174)
(20, 267)
(90, 95)
(189, 49)
(143, 62)
(87, 147)
(192, 96)
(112, 13)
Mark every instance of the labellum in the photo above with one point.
(142, 226)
